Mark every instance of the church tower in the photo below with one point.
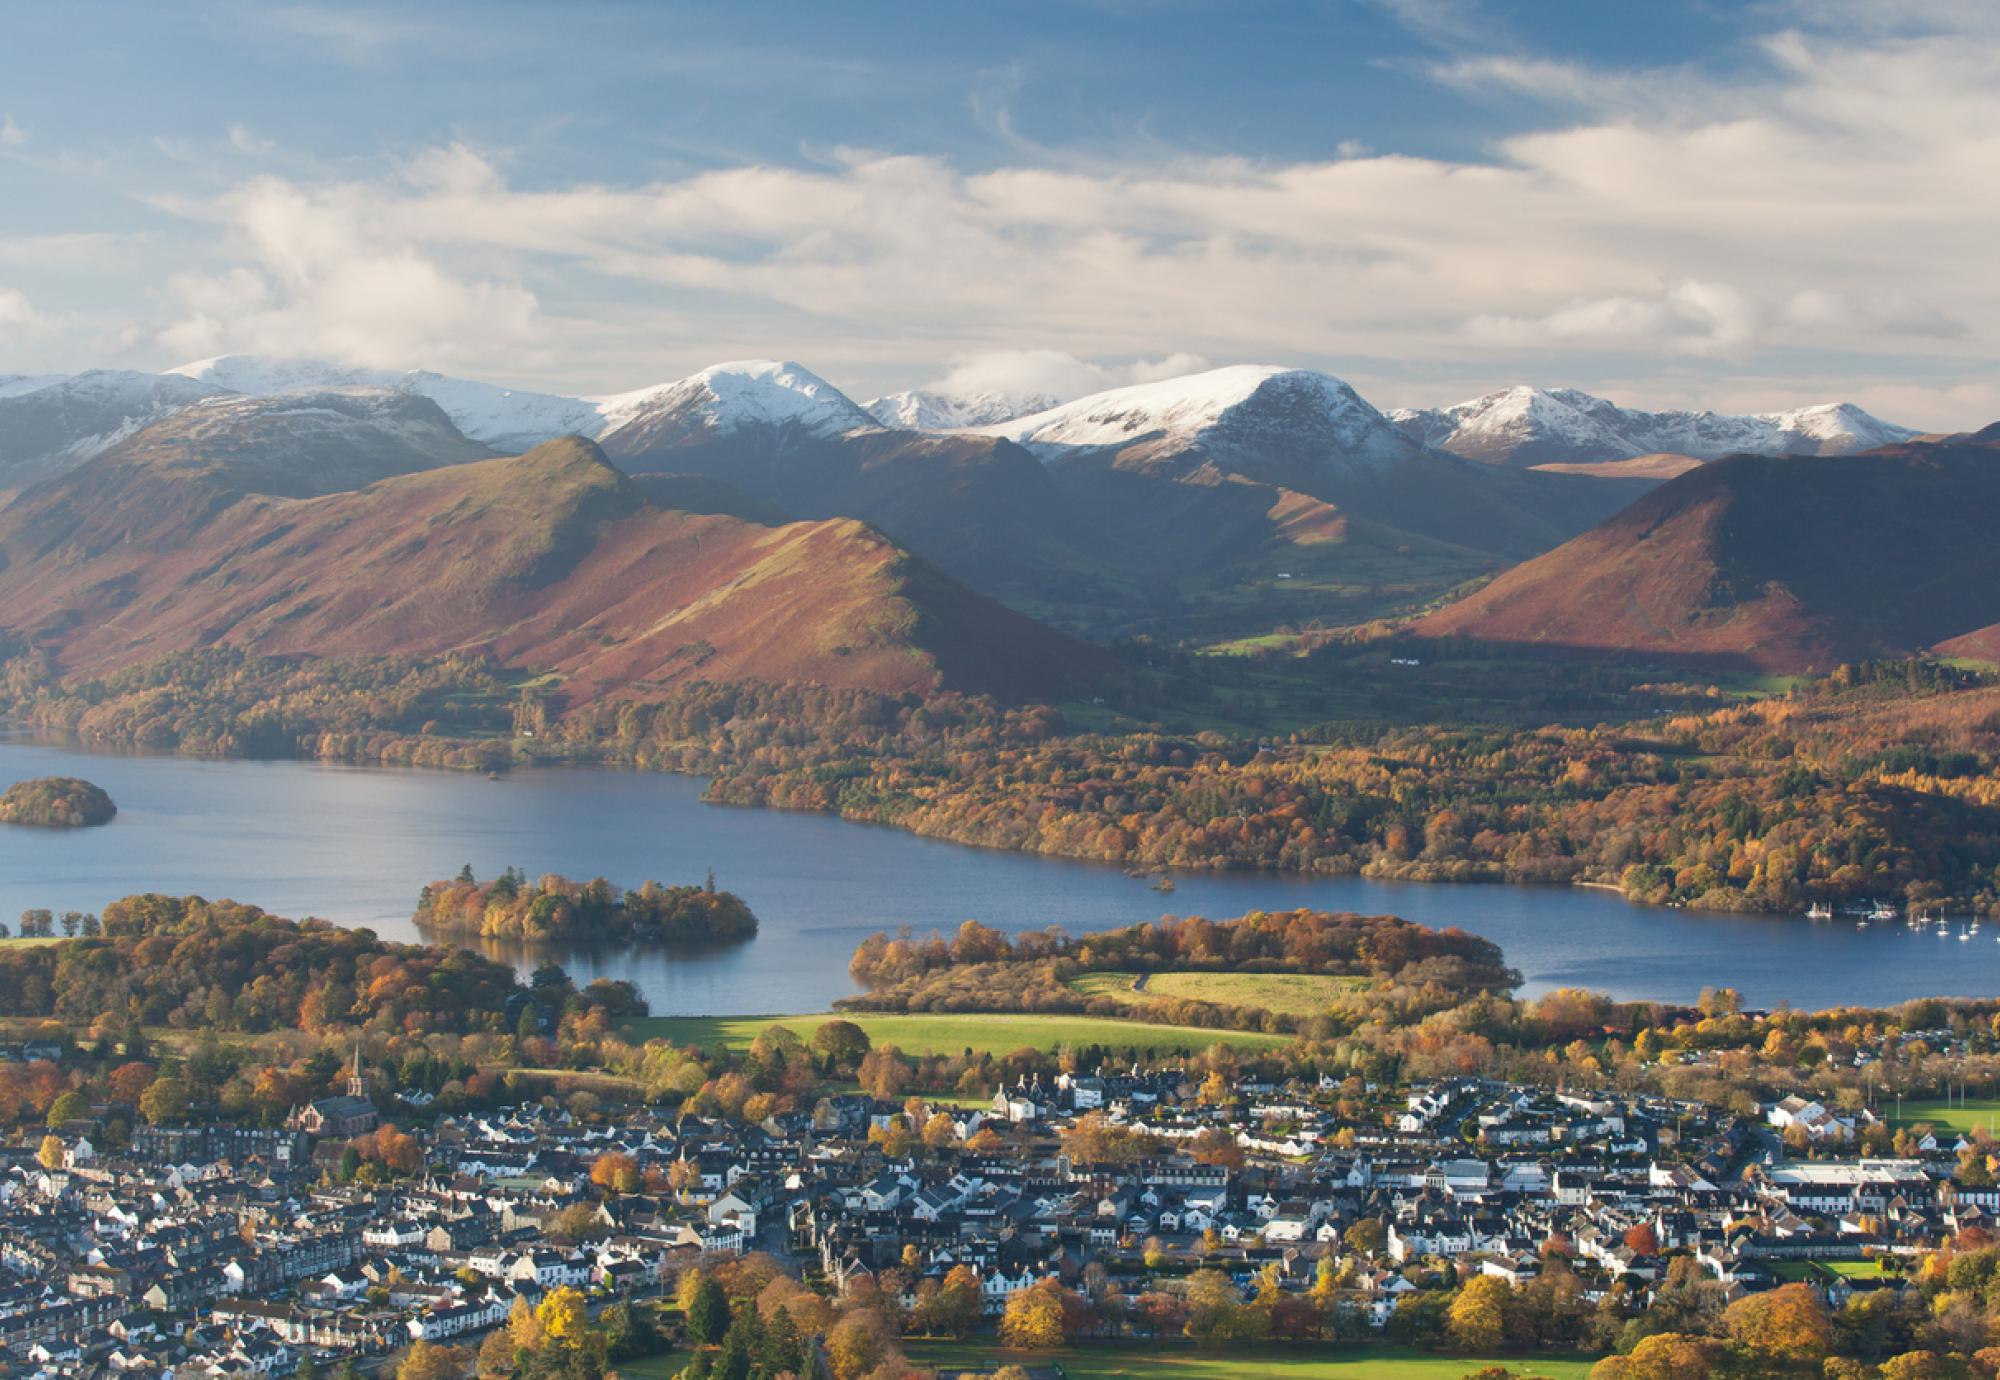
(357, 1086)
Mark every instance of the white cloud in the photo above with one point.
(15, 310)
(358, 35)
(1833, 202)
(325, 276)
(1690, 317)
(1059, 375)
(12, 136)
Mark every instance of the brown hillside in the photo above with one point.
(1786, 563)
(552, 560)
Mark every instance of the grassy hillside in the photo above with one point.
(950, 1034)
(1289, 994)
(1785, 564)
(552, 560)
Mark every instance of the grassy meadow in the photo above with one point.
(982, 1032)
(1289, 994)
(1976, 1113)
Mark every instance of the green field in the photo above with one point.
(1814, 1271)
(1288, 994)
(1179, 1362)
(18, 941)
(1980, 1113)
(931, 1034)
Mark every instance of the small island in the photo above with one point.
(56, 802)
(556, 908)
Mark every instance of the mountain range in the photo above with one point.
(289, 504)
(1535, 426)
(229, 524)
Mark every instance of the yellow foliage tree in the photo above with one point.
(1034, 1318)
(1786, 1324)
(562, 1314)
(1477, 1319)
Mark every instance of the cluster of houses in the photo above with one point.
(220, 1251)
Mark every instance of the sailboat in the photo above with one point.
(1819, 910)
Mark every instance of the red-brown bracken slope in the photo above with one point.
(1786, 563)
(552, 560)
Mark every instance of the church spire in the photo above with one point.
(357, 1086)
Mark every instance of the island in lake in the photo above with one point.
(556, 908)
(56, 802)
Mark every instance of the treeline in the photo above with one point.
(1294, 941)
(192, 963)
(556, 908)
(1875, 782)
(223, 702)
(1413, 969)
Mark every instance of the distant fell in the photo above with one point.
(1784, 563)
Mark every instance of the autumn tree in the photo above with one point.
(615, 1172)
(1035, 1317)
(1477, 1318)
(51, 1152)
(423, 1360)
(165, 1101)
(1786, 1324)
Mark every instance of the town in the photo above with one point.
(1128, 1203)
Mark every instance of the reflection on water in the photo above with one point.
(355, 845)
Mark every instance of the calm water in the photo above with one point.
(354, 845)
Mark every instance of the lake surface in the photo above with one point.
(355, 844)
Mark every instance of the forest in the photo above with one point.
(191, 963)
(557, 908)
(1873, 782)
(1413, 970)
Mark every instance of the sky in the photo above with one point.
(1744, 206)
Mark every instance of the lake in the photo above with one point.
(355, 844)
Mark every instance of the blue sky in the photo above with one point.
(1736, 204)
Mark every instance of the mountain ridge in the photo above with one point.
(1527, 426)
(1787, 563)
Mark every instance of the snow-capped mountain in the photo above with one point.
(13, 384)
(508, 419)
(304, 443)
(52, 423)
(924, 409)
(1261, 420)
(779, 403)
(1534, 426)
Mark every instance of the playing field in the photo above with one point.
(1179, 1362)
(1977, 1113)
(1816, 1271)
(1288, 994)
(23, 942)
(930, 1034)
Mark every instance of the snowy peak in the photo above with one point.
(774, 401)
(302, 443)
(1239, 413)
(1524, 426)
(1833, 429)
(923, 409)
(52, 424)
(507, 419)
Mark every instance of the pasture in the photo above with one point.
(982, 1032)
(1288, 994)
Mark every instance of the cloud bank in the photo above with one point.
(1821, 223)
